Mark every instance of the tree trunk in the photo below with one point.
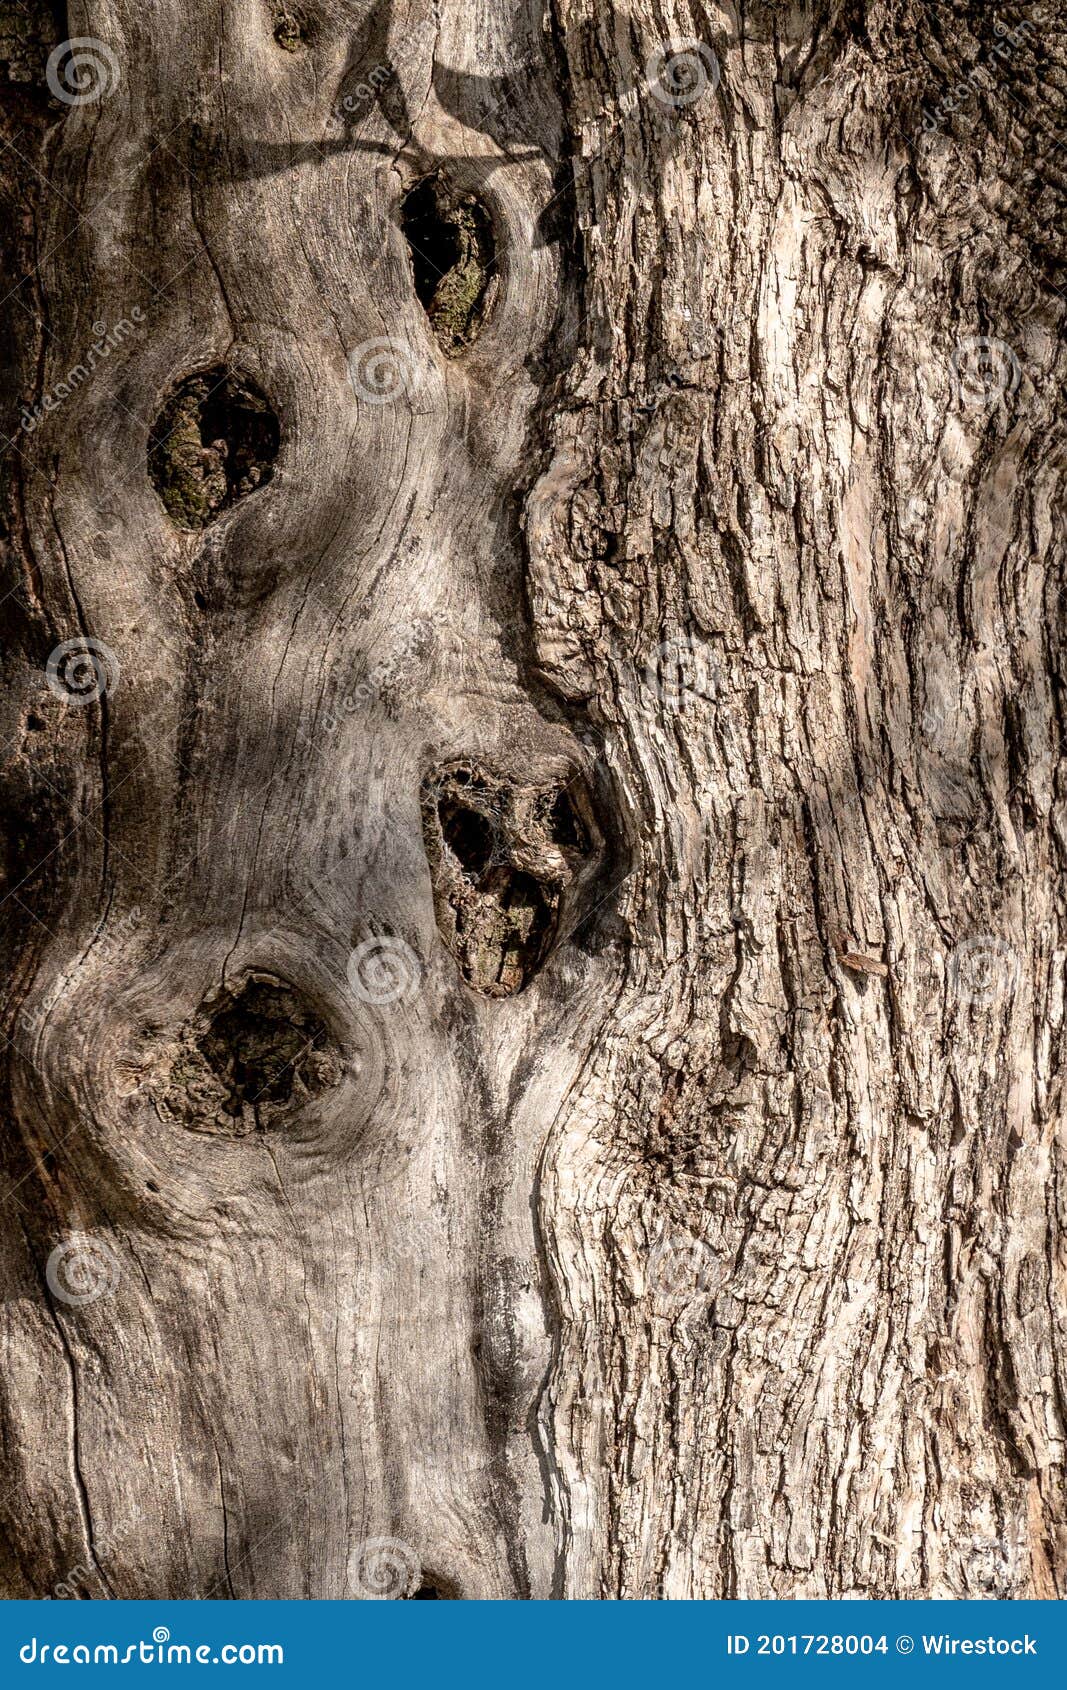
(536, 803)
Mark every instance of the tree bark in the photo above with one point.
(535, 790)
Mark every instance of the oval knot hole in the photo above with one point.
(247, 1058)
(505, 860)
(290, 26)
(452, 255)
(214, 442)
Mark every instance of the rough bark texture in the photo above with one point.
(535, 934)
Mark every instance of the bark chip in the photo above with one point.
(214, 442)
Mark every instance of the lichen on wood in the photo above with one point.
(453, 258)
(214, 442)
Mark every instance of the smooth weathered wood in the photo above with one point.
(652, 1193)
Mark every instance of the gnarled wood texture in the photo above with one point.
(535, 791)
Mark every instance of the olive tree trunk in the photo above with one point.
(535, 800)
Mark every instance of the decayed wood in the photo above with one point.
(534, 882)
